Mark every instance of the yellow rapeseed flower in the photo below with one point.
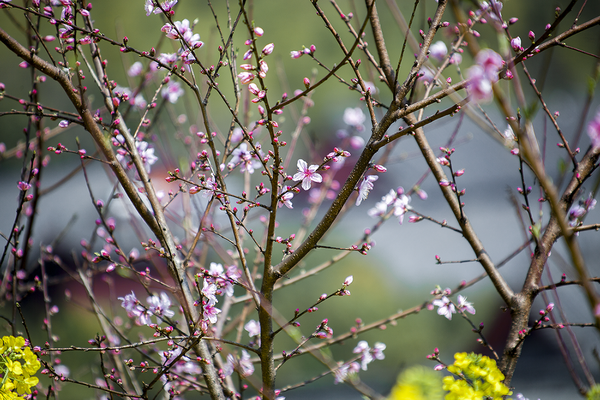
(18, 364)
(478, 378)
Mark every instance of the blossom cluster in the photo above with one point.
(18, 365)
(479, 378)
(483, 74)
(157, 306)
(217, 281)
(144, 149)
(446, 307)
(366, 355)
(397, 199)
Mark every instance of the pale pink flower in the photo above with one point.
(445, 307)
(491, 62)
(135, 69)
(425, 75)
(172, 92)
(354, 117)
(401, 205)
(130, 304)
(364, 350)
(210, 313)
(246, 366)
(365, 187)
(438, 50)
(24, 186)
(286, 200)
(209, 290)
(464, 305)
(253, 328)
(593, 130)
(479, 86)
(378, 349)
(159, 306)
(307, 174)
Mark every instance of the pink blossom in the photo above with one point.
(24, 186)
(286, 200)
(593, 130)
(378, 349)
(296, 54)
(438, 50)
(209, 290)
(364, 350)
(246, 366)
(307, 174)
(464, 305)
(172, 92)
(425, 75)
(401, 204)
(445, 307)
(479, 85)
(130, 304)
(365, 187)
(357, 142)
(243, 156)
(159, 306)
(348, 280)
(149, 7)
(491, 62)
(253, 328)
(146, 154)
(354, 117)
(210, 313)
(342, 372)
(135, 69)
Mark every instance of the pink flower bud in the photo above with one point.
(268, 49)
(259, 31)
(531, 36)
(306, 83)
(516, 43)
(348, 280)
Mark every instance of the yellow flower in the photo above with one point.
(417, 383)
(478, 377)
(14, 374)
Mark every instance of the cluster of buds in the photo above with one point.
(335, 154)
(58, 149)
(323, 331)
(297, 54)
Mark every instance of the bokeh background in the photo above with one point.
(400, 270)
